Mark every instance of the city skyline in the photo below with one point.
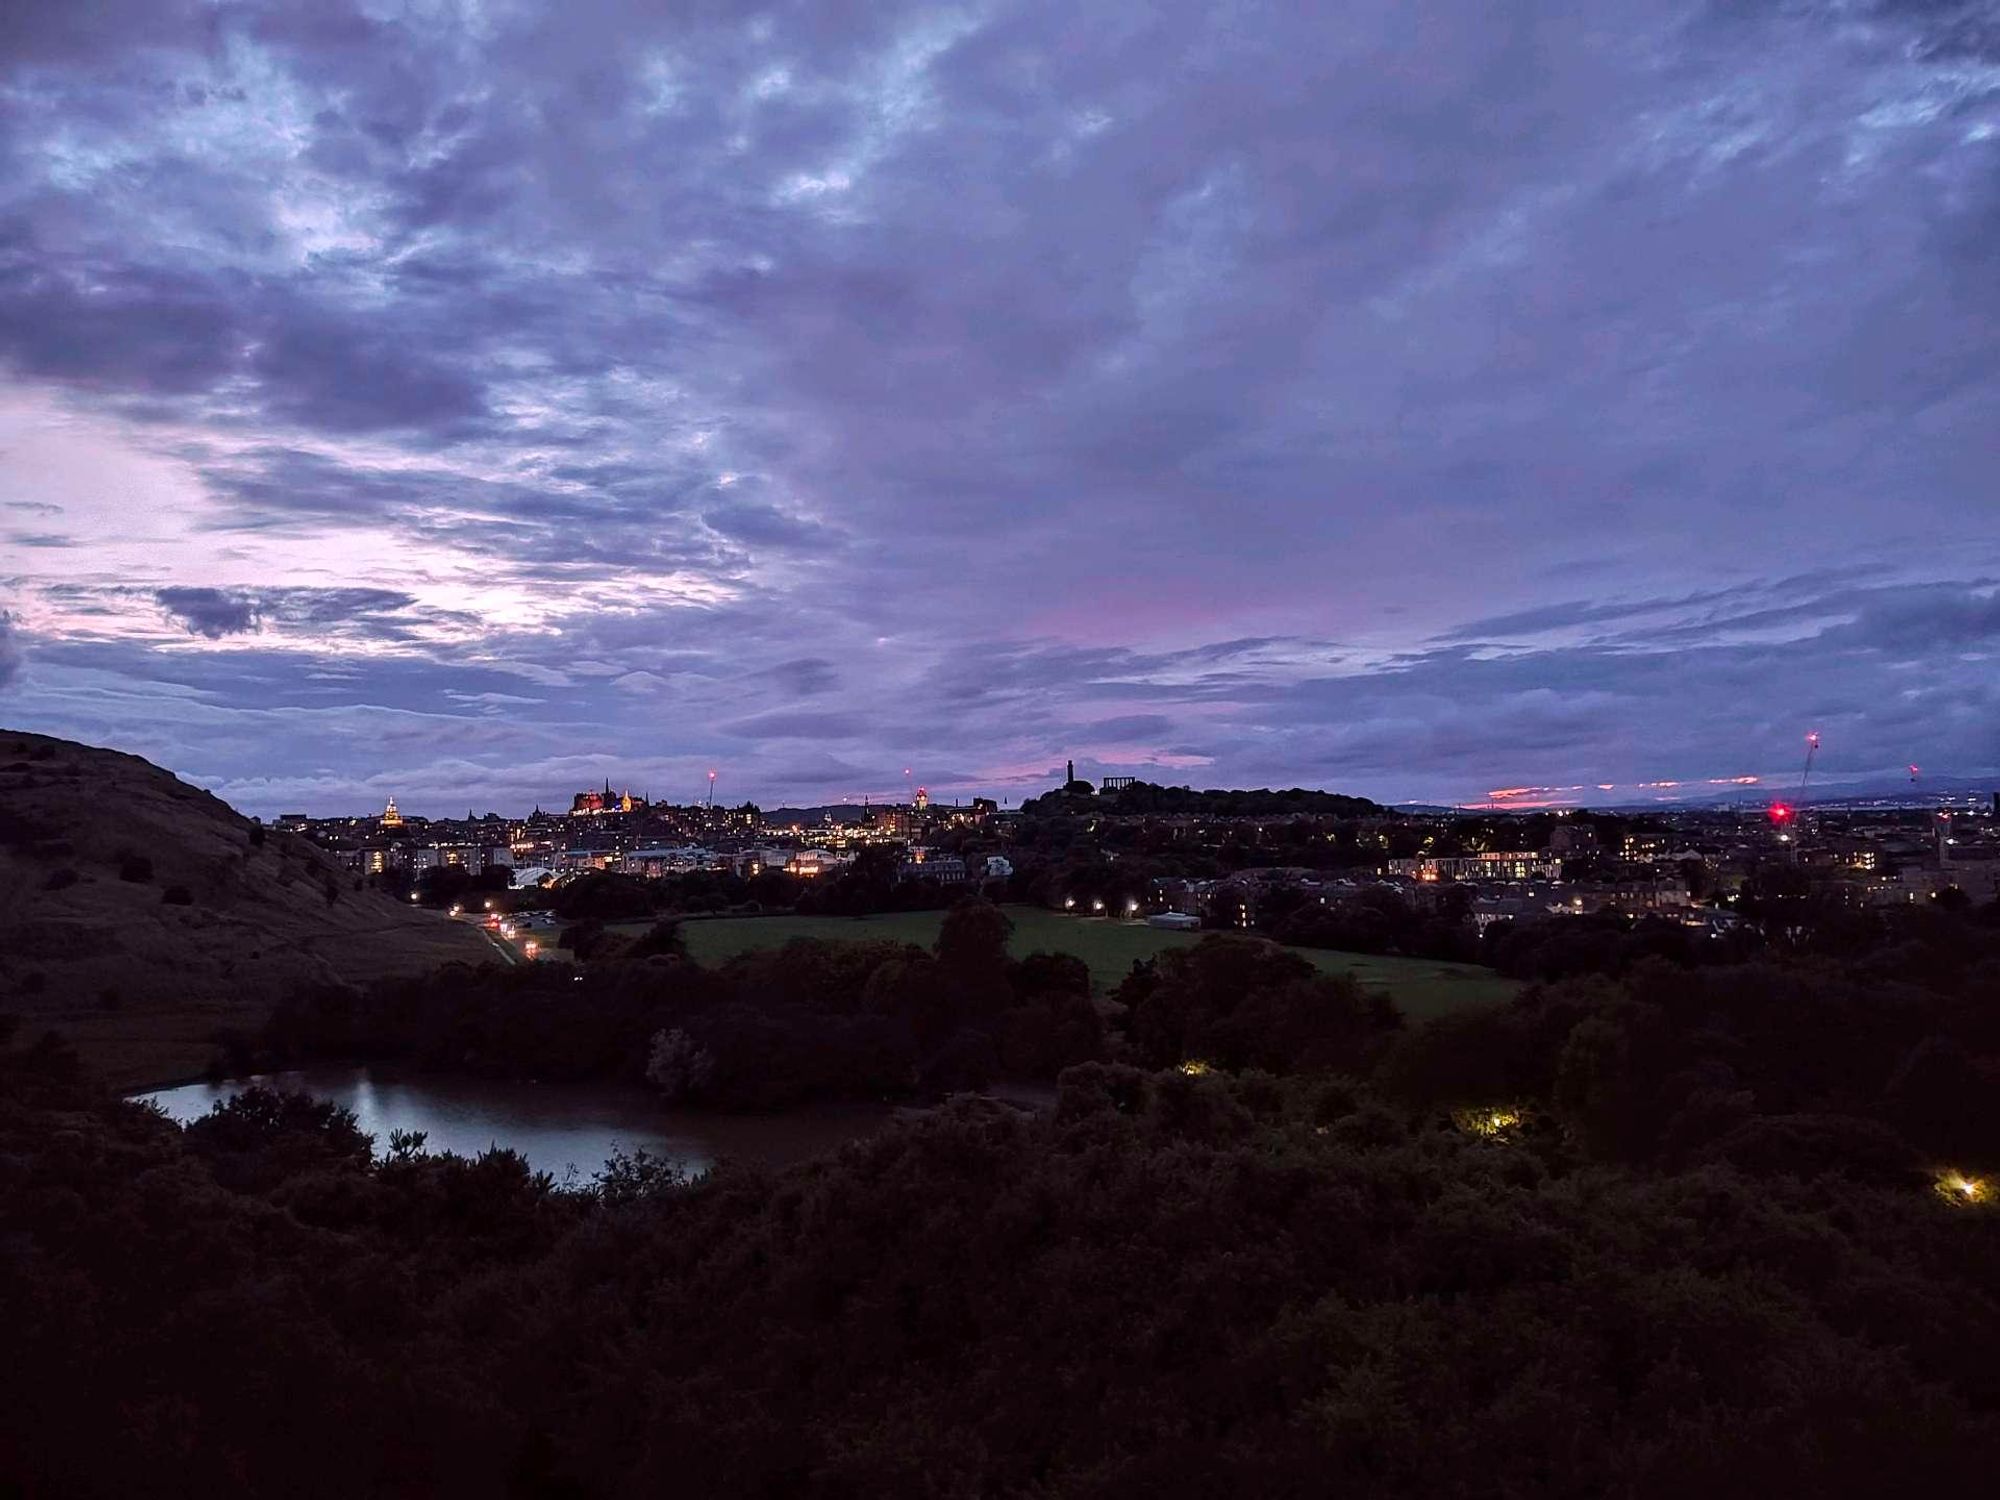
(471, 404)
(1749, 792)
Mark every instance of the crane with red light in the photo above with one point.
(1782, 812)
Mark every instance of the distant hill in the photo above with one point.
(1144, 798)
(140, 915)
(813, 817)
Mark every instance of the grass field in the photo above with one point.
(1421, 988)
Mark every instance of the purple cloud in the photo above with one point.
(1412, 401)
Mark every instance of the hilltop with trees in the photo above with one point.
(1140, 798)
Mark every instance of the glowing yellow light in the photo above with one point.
(1195, 1068)
(1956, 1187)
(1489, 1123)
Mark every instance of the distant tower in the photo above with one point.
(1070, 774)
(390, 817)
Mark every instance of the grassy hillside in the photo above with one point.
(1422, 988)
(140, 915)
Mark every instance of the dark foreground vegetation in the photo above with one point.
(1678, 1229)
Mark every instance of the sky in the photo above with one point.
(471, 402)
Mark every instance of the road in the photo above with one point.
(506, 948)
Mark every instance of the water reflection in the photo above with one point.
(565, 1130)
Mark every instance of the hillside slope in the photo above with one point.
(140, 915)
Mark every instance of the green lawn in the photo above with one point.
(1421, 988)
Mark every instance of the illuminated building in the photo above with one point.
(390, 817)
(596, 803)
(1496, 866)
(945, 869)
(810, 863)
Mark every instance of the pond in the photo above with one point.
(566, 1130)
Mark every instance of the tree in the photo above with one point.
(973, 937)
(1245, 1002)
(679, 1066)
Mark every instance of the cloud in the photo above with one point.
(789, 724)
(209, 612)
(639, 682)
(310, 613)
(766, 524)
(10, 649)
(1384, 404)
(806, 677)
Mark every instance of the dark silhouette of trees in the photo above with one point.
(1663, 1229)
(1244, 1002)
(1170, 1284)
(603, 897)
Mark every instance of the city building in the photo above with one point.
(923, 864)
(1493, 866)
(597, 803)
(809, 864)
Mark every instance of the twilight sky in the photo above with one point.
(470, 401)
